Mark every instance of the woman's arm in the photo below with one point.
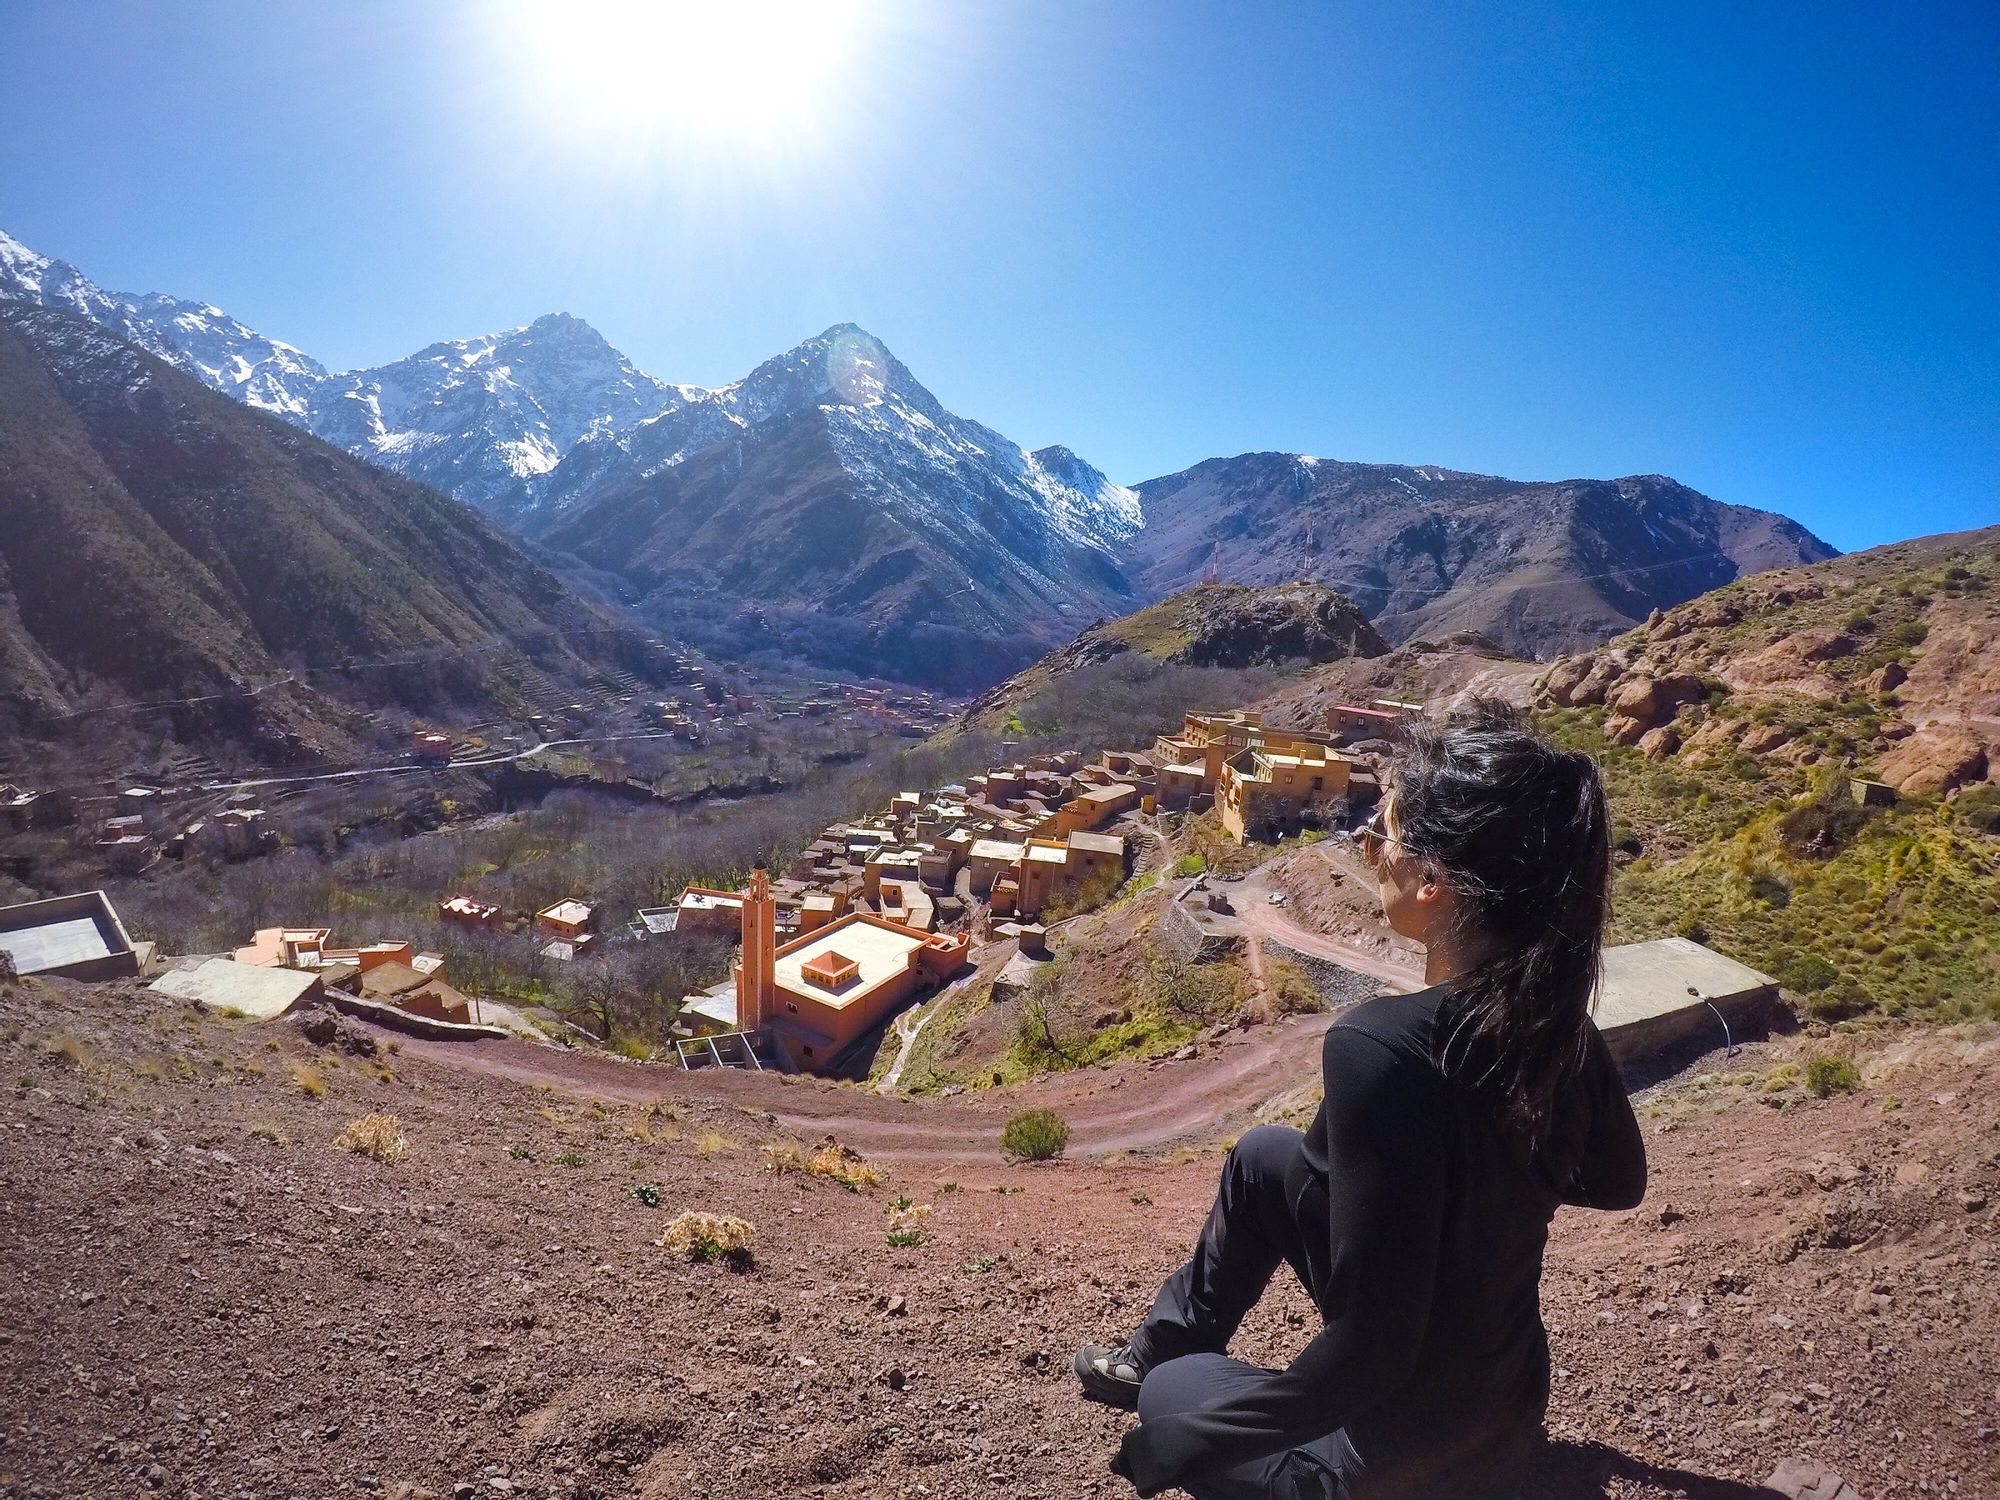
(1612, 1171)
(1388, 1176)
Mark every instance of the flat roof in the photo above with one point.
(879, 951)
(571, 910)
(1048, 854)
(693, 900)
(59, 942)
(225, 984)
(1097, 843)
(1643, 981)
(1106, 793)
(995, 849)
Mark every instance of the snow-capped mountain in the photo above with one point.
(478, 418)
(836, 495)
(484, 418)
(204, 341)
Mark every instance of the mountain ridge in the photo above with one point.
(942, 551)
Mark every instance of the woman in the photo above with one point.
(1416, 1208)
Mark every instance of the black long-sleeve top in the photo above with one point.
(1433, 1358)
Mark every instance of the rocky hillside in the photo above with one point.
(225, 1298)
(1231, 626)
(1425, 551)
(1732, 728)
(158, 542)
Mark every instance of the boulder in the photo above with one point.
(1764, 738)
(1935, 760)
(1828, 647)
(1892, 676)
(1659, 743)
(1559, 683)
(1621, 730)
(1653, 700)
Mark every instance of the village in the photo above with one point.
(180, 805)
(883, 913)
(871, 916)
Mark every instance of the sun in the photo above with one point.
(751, 75)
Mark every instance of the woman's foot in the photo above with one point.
(1111, 1375)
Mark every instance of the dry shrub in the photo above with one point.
(712, 1141)
(308, 1080)
(706, 1237)
(784, 1156)
(1291, 991)
(841, 1164)
(906, 1223)
(378, 1136)
(845, 1166)
(67, 1050)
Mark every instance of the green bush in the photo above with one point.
(1807, 974)
(1827, 1076)
(1035, 1135)
(1190, 864)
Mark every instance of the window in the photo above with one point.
(808, 1051)
(790, 1006)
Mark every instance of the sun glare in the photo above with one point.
(748, 74)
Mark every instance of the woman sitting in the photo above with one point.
(1416, 1208)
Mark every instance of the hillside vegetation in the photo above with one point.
(1732, 730)
(1208, 646)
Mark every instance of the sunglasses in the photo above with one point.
(1371, 837)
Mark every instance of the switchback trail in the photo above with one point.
(1126, 1107)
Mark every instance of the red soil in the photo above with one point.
(192, 1309)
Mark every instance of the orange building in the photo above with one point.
(819, 994)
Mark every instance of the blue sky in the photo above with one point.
(1757, 248)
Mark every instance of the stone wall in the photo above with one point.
(1337, 986)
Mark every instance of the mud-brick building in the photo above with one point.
(817, 995)
(1264, 791)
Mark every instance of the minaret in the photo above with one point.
(755, 984)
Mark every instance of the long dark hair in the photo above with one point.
(1518, 830)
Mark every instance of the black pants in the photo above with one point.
(1253, 1226)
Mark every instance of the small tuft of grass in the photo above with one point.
(703, 1237)
(379, 1137)
(270, 1134)
(308, 1080)
(570, 1159)
(519, 1153)
(712, 1141)
(647, 1194)
(1827, 1076)
(1035, 1135)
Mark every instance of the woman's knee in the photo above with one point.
(1180, 1385)
(1266, 1152)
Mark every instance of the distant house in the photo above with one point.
(464, 911)
(701, 910)
(568, 919)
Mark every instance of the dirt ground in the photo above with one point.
(204, 1296)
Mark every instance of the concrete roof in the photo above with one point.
(571, 910)
(1048, 854)
(995, 849)
(879, 950)
(55, 944)
(1643, 981)
(1098, 843)
(225, 984)
(1110, 793)
(693, 900)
